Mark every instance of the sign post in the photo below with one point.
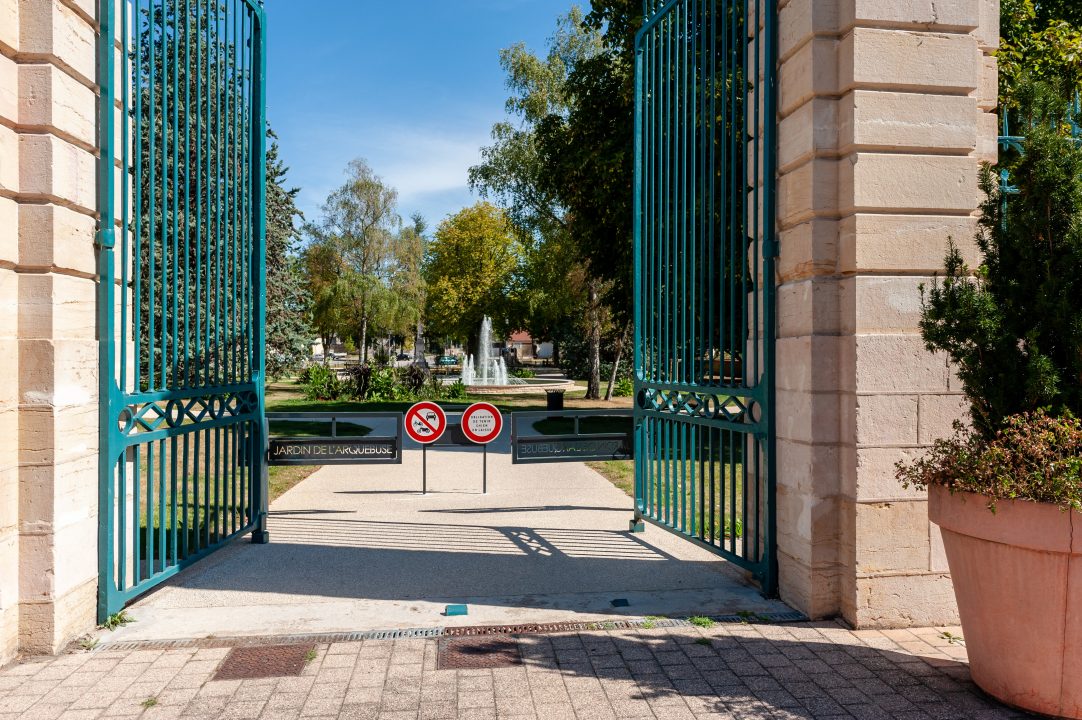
(425, 422)
(482, 423)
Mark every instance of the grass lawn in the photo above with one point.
(621, 473)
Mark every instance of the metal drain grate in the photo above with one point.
(244, 641)
(477, 653)
(263, 661)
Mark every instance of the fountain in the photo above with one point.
(488, 368)
(486, 372)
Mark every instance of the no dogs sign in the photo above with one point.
(481, 423)
(425, 422)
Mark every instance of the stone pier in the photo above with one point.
(887, 111)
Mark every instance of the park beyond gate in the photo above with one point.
(705, 249)
(181, 298)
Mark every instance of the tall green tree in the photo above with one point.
(1040, 41)
(1014, 327)
(470, 269)
(354, 244)
(288, 333)
(565, 175)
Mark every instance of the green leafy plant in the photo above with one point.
(1013, 326)
(321, 383)
(523, 372)
(455, 391)
(89, 642)
(625, 387)
(952, 638)
(149, 702)
(118, 619)
(701, 621)
(310, 656)
(1034, 457)
(704, 641)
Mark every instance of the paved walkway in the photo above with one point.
(360, 548)
(735, 671)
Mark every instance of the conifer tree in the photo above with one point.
(288, 332)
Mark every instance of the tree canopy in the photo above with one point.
(362, 264)
(288, 332)
(470, 268)
(1041, 41)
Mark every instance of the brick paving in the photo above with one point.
(737, 671)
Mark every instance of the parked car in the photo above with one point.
(404, 356)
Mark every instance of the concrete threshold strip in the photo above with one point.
(751, 618)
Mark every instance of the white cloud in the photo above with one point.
(428, 165)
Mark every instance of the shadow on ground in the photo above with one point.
(751, 675)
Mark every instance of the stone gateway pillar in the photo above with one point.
(887, 110)
(49, 375)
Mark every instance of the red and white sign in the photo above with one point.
(425, 422)
(481, 423)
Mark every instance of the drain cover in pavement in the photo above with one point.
(263, 661)
(478, 652)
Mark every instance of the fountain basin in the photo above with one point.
(523, 386)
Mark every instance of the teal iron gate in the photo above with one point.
(181, 296)
(704, 275)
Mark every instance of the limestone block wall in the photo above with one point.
(48, 387)
(887, 110)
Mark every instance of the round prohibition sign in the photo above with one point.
(425, 422)
(481, 423)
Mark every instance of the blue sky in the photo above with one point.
(412, 86)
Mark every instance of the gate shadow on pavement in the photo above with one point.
(779, 671)
(336, 557)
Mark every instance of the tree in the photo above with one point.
(353, 247)
(1041, 41)
(1014, 328)
(288, 334)
(470, 270)
(558, 279)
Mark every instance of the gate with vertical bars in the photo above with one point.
(705, 249)
(181, 298)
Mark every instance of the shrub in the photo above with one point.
(360, 377)
(625, 387)
(1013, 327)
(455, 391)
(321, 383)
(1032, 457)
(384, 386)
(523, 372)
(414, 378)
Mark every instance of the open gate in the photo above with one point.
(705, 249)
(181, 298)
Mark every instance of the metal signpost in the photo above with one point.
(482, 423)
(425, 422)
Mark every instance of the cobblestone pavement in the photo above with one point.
(806, 670)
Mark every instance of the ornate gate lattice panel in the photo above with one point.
(704, 275)
(181, 257)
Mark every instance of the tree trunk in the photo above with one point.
(593, 384)
(326, 340)
(616, 365)
(364, 340)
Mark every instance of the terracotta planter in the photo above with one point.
(1018, 579)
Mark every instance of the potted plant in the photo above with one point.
(1007, 489)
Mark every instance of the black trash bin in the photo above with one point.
(555, 400)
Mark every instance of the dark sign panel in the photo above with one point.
(576, 448)
(334, 451)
